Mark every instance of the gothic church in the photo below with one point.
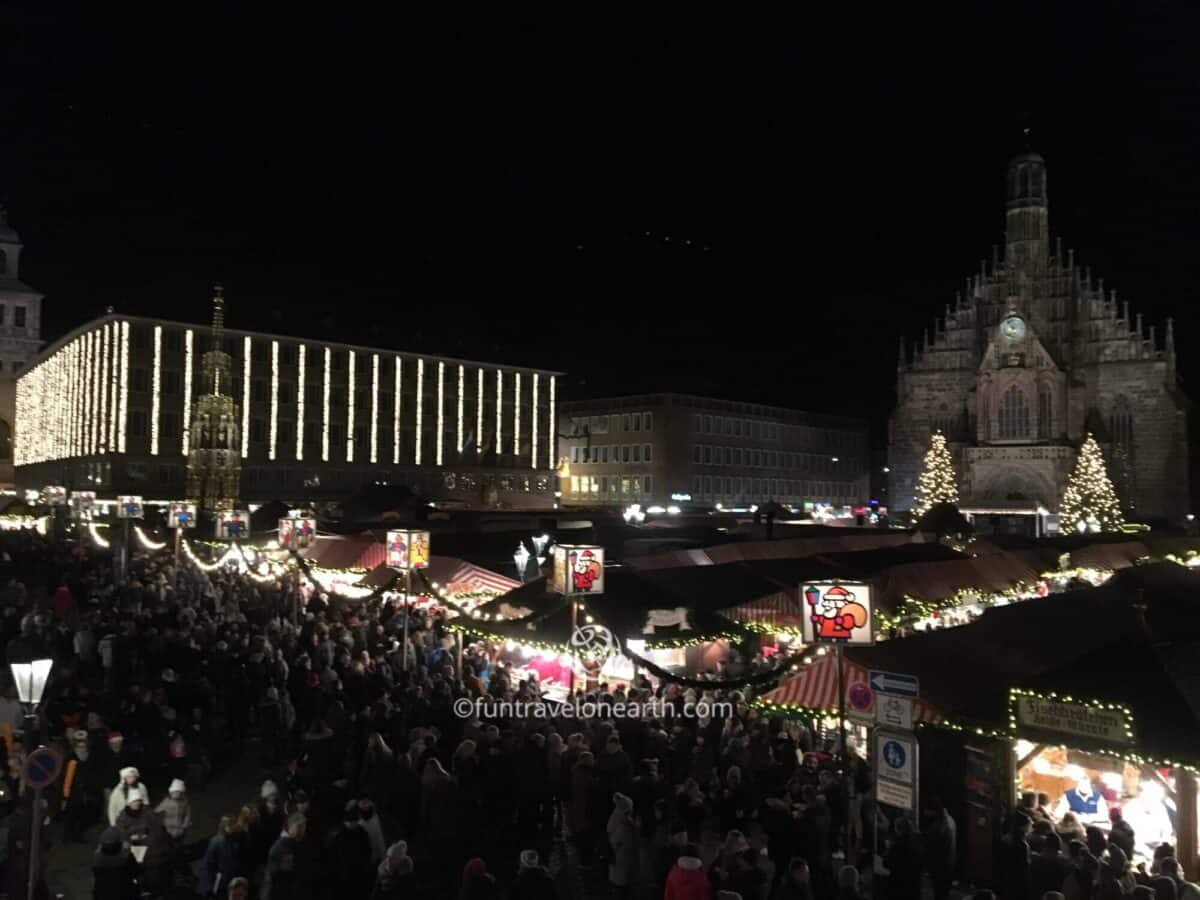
(1020, 369)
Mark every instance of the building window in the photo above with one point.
(1120, 423)
(138, 379)
(574, 454)
(708, 486)
(258, 430)
(285, 434)
(646, 453)
(698, 423)
(170, 381)
(289, 354)
(604, 484)
(19, 316)
(625, 453)
(708, 424)
(707, 455)
(647, 421)
(647, 485)
(637, 422)
(696, 453)
(637, 452)
(1045, 414)
(574, 484)
(696, 485)
(625, 422)
(168, 426)
(137, 422)
(1013, 415)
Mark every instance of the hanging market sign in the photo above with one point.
(839, 612)
(578, 569)
(1106, 722)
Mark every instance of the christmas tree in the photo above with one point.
(1090, 502)
(937, 483)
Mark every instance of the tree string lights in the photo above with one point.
(1089, 502)
(937, 483)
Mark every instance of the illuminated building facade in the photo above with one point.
(661, 448)
(111, 407)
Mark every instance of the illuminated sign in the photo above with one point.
(838, 612)
(578, 569)
(408, 549)
(129, 506)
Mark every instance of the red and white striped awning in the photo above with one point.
(816, 689)
(454, 575)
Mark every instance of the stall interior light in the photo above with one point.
(31, 678)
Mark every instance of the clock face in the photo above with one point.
(1013, 328)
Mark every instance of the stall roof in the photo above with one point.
(828, 540)
(346, 551)
(456, 575)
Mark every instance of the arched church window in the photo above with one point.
(1045, 415)
(1120, 423)
(1013, 418)
(3, 263)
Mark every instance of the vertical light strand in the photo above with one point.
(399, 373)
(80, 397)
(350, 412)
(274, 424)
(88, 393)
(479, 447)
(461, 375)
(246, 348)
(325, 408)
(441, 384)
(300, 404)
(420, 409)
(189, 346)
(97, 437)
(104, 386)
(516, 415)
(70, 396)
(156, 391)
(374, 408)
(533, 432)
(499, 405)
(552, 447)
(122, 433)
(114, 387)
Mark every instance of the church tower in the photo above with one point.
(1027, 231)
(214, 460)
(20, 336)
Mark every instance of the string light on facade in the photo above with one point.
(441, 383)
(122, 426)
(374, 407)
(188, 349)
(156, 391)
(245, 396)
(301, 372)
(534, 430)
(937, 483)
(499, 404)
(274, 423)
(516, 414)
(420, 407)
(461, 374)
(350, 412)
(552, 449)
(399, 374)
(325, 407)
(105, 384)
(479, 414)
(87, 392)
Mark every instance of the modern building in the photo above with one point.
(20, 336)
(671, 448)
(1031, 359)
(109, 407)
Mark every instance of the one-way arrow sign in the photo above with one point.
(894, 683)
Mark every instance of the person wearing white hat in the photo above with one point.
(176, 811)
(131, 779)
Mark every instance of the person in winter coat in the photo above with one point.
(797, 881)
(477, 882)
(114, 872)
(129, 780)
(941, 851)
(269, 822)
(394, 875)
(140, 826)
(285, 876)
(350, 854)
(579, 813)
(176, 812)
(374, 829)
(687, 879)
(226, 858)
(533, 882)
(623, 840)
(1122, 832)
(903, 862)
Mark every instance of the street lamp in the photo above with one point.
(31, 678)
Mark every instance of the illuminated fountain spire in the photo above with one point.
(214, 457)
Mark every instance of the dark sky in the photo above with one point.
(710, 200)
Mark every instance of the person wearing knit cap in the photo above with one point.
(143, 831)
(394, 874)
(623, 839)
(477, 882)
(176, 811)
(533, 882)
(130, 779)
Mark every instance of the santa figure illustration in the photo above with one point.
(585, 570)
(836, 613)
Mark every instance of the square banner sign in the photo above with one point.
(838, 612)
(82, 503)
(233, 525)
(408, 550)
(129, 506)
(54, 495)
(297, 532)
(578, 569)
(181, 514)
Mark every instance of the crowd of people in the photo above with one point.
(372, 786)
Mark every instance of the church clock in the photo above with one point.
(1013, 328)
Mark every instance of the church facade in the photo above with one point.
(1033, 357)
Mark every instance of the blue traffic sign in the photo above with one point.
(894, 683)
(42, 767)
(895, 755)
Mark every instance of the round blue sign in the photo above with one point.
(894, 755)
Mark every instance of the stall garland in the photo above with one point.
(374, 594)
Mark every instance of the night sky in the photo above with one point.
(646, 197)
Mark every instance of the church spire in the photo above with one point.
(218, 315)
(1027, 232)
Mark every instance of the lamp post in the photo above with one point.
(31, 678)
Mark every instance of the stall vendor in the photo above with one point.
(1089, 807)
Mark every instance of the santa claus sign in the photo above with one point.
(838, 612)
(578, 570)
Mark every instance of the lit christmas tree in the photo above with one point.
(938, 483)
(1090, 502)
